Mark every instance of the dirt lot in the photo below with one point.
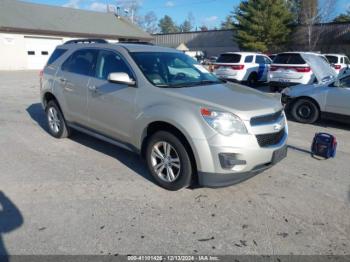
(84, 196)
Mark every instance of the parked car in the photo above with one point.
(330, 99)
(340, 62)
(243, 67)
(293, 68)
(162, 104)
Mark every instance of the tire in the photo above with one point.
(56, 123)
(252, 80)
(305, 111)
(181, 174)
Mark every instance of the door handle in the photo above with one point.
(93, 89)
(63, 80)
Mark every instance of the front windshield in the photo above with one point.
(172, 69)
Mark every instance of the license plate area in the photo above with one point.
(279, 154)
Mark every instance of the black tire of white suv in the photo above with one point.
(168, 161)
(56, 123)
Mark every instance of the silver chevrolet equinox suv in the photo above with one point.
(189, 126)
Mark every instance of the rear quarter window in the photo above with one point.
(332, 59)
(229, 58)
(55, 55)
(292, 59)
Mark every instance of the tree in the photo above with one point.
(203, 28)
(167, 25)
(150, 23)
(312, 19)
(187, 25)
(343, 18)
(228, 23)
(263, 25)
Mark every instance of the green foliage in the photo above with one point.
(167, 25)
(342, 18)
(263, 25)
(228, 23)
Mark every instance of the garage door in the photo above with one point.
(38, 51)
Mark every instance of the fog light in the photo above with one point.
(229, 160)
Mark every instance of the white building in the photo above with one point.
(30, 32)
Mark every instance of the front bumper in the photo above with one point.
(221, 180)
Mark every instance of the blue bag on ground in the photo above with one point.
(324, 145)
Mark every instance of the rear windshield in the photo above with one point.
(55, 55)
(229, 58)
(292, 59)
(332, 59)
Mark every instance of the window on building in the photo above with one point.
(44, 53)
(31, 52)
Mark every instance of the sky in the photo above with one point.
(206, 12)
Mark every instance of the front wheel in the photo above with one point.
(305, 111)
(168, 161)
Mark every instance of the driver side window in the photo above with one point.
(345, 82)
(110, 62)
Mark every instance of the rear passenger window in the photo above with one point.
(293, 59)
(342, 60)
(55, 55)
(259, 59)
(229, 58)
(248, 59)
(81, 62)
(110, 62)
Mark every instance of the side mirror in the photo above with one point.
(121, 78)
(337, 83)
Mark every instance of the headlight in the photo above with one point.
(223, 122)
(286, 91)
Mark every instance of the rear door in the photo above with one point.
(338, 98)
(111, 106)
(226, 64)
(73, 79)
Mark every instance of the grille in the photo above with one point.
(267, 119)
(270, 139)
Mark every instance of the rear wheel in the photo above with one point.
(252, 80)
(56, 122)
(305, 111)
(168, 161)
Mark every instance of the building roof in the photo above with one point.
(18, 16)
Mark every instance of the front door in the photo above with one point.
(111, 106)
(338, 98)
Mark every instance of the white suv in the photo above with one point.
(243, 67)
(291, 68)
(340, 62)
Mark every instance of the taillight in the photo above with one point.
(273, 68)
(337, 67)
(306, 69)
(237, 67)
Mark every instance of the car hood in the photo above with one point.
(300, 90)
(240, 100)
(322, 70)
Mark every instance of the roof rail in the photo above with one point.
(86, 41)
(135, 42)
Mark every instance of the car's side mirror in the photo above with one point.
(337, 83)
(121, 78)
